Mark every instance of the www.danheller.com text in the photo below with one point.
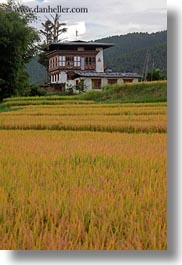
(49, 9)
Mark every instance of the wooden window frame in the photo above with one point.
(128, 80)
(112, 81)
(89, 60)
(77, 61)
(62, 60)
(96, 83)
(70, 61)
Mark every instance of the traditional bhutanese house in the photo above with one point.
(75, 61)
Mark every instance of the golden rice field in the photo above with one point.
(85, 176)
(131, 118)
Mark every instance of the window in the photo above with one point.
(77, 61)
(96, 83)
(61, 60)
(50, 63)
(128, 80)
(89, 60)
(54, 62)
(93, 59)
(90, 63)
(69, 60)
(112, 81)
(70, 75)
(77, 84)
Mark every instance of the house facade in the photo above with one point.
(73, 62)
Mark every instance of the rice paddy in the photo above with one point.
(83, 176)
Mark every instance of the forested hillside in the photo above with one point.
(129, 51)
(37, 72)
(127, 55)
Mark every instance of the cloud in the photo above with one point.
(78, 27)
(108, 18)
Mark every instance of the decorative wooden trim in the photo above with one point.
(74, 53)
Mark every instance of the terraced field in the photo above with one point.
(80, 175)
(130, 118)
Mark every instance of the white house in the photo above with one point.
(72, 62)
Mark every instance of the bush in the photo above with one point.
(91, 95)
(35, 90)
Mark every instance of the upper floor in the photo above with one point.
(82, 56)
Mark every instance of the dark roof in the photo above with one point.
(76, 44)
(108, 74)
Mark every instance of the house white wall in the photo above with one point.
(54, 78)
(88, 83)
(71, 83)
(62, 77)
(120, 80)
(104, 81)
(135, 80)
(99, 60)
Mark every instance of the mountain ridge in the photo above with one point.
(130, 50)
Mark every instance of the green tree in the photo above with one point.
(52, 30)
(153, 75)
(17, 45)
(81, 87)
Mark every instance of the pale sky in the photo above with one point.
(107, 17)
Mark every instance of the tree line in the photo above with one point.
(17, 46)
(19, 43)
